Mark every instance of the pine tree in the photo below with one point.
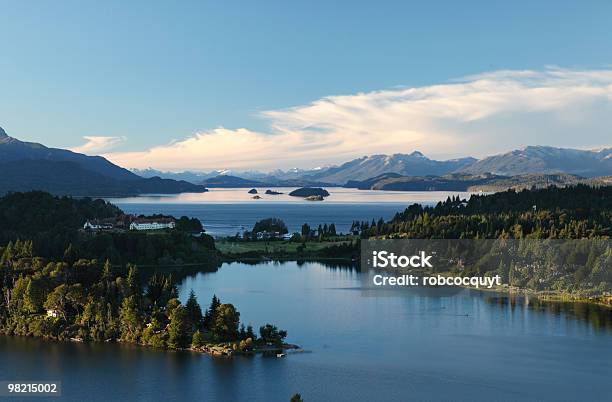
(107, 271)
(132, 279)
(179, 334)
(225, 324)
(209, 317)
(129, 319)
(197, 340)
(332, 229)
(194, 311)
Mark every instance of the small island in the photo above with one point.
(306, 192)
(271, 192)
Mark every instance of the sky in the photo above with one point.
(279, 84)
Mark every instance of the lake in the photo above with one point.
(227, 211)
(434, 344)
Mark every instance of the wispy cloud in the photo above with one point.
(96, 145)
(476, 115)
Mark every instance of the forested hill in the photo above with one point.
(50, 222)
(53, 225)
(572, 212)
(26, 214)
(581, 199)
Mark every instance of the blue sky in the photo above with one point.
(149, 73)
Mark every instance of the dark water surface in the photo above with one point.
(413, 344)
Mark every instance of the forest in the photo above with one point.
(61, 282)
(554, 239)
(53, 225)
(85, 300)
(576, 212)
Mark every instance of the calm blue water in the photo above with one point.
(229, 219)
(413, 344)
(227, 211)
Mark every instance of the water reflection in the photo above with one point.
(596, 316)
(430, 344)
(350, 278)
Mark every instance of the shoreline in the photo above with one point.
(549, 295)
(228, 351)
(224, 350)
(604, 301)
(544, 295)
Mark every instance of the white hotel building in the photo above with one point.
(152, 224)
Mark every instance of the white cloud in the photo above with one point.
(96, 145)
(477, 115)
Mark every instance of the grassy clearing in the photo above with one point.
(285, 248)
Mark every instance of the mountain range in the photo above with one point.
(467, 182)
(228, 181)
(545, 160)
(414, 164)
(28, 166)
(532, 160)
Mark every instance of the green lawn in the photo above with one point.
(274, 246)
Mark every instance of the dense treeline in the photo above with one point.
(554, 213)
(50, 222)
(170, 248)
(322, 232)
(579, 212)
(87, 300)
(53, 224)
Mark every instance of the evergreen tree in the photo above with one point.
(332, 230)
(194, 311)
(197, 340)
(306, 230)
(210, 314)
(130, 322)
(179, 334)
(225, 325)
(132, 280)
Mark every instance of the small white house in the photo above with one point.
(145, 224)
(91, 226)
(96, 225)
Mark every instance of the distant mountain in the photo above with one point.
(395, 182)
(414, 164)
(12, 149)
(545, 160)
(368, 184)
(28, 166)
(465, 182)
(529, 181)
(276, 176)
(227, 181)
(192, 177)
